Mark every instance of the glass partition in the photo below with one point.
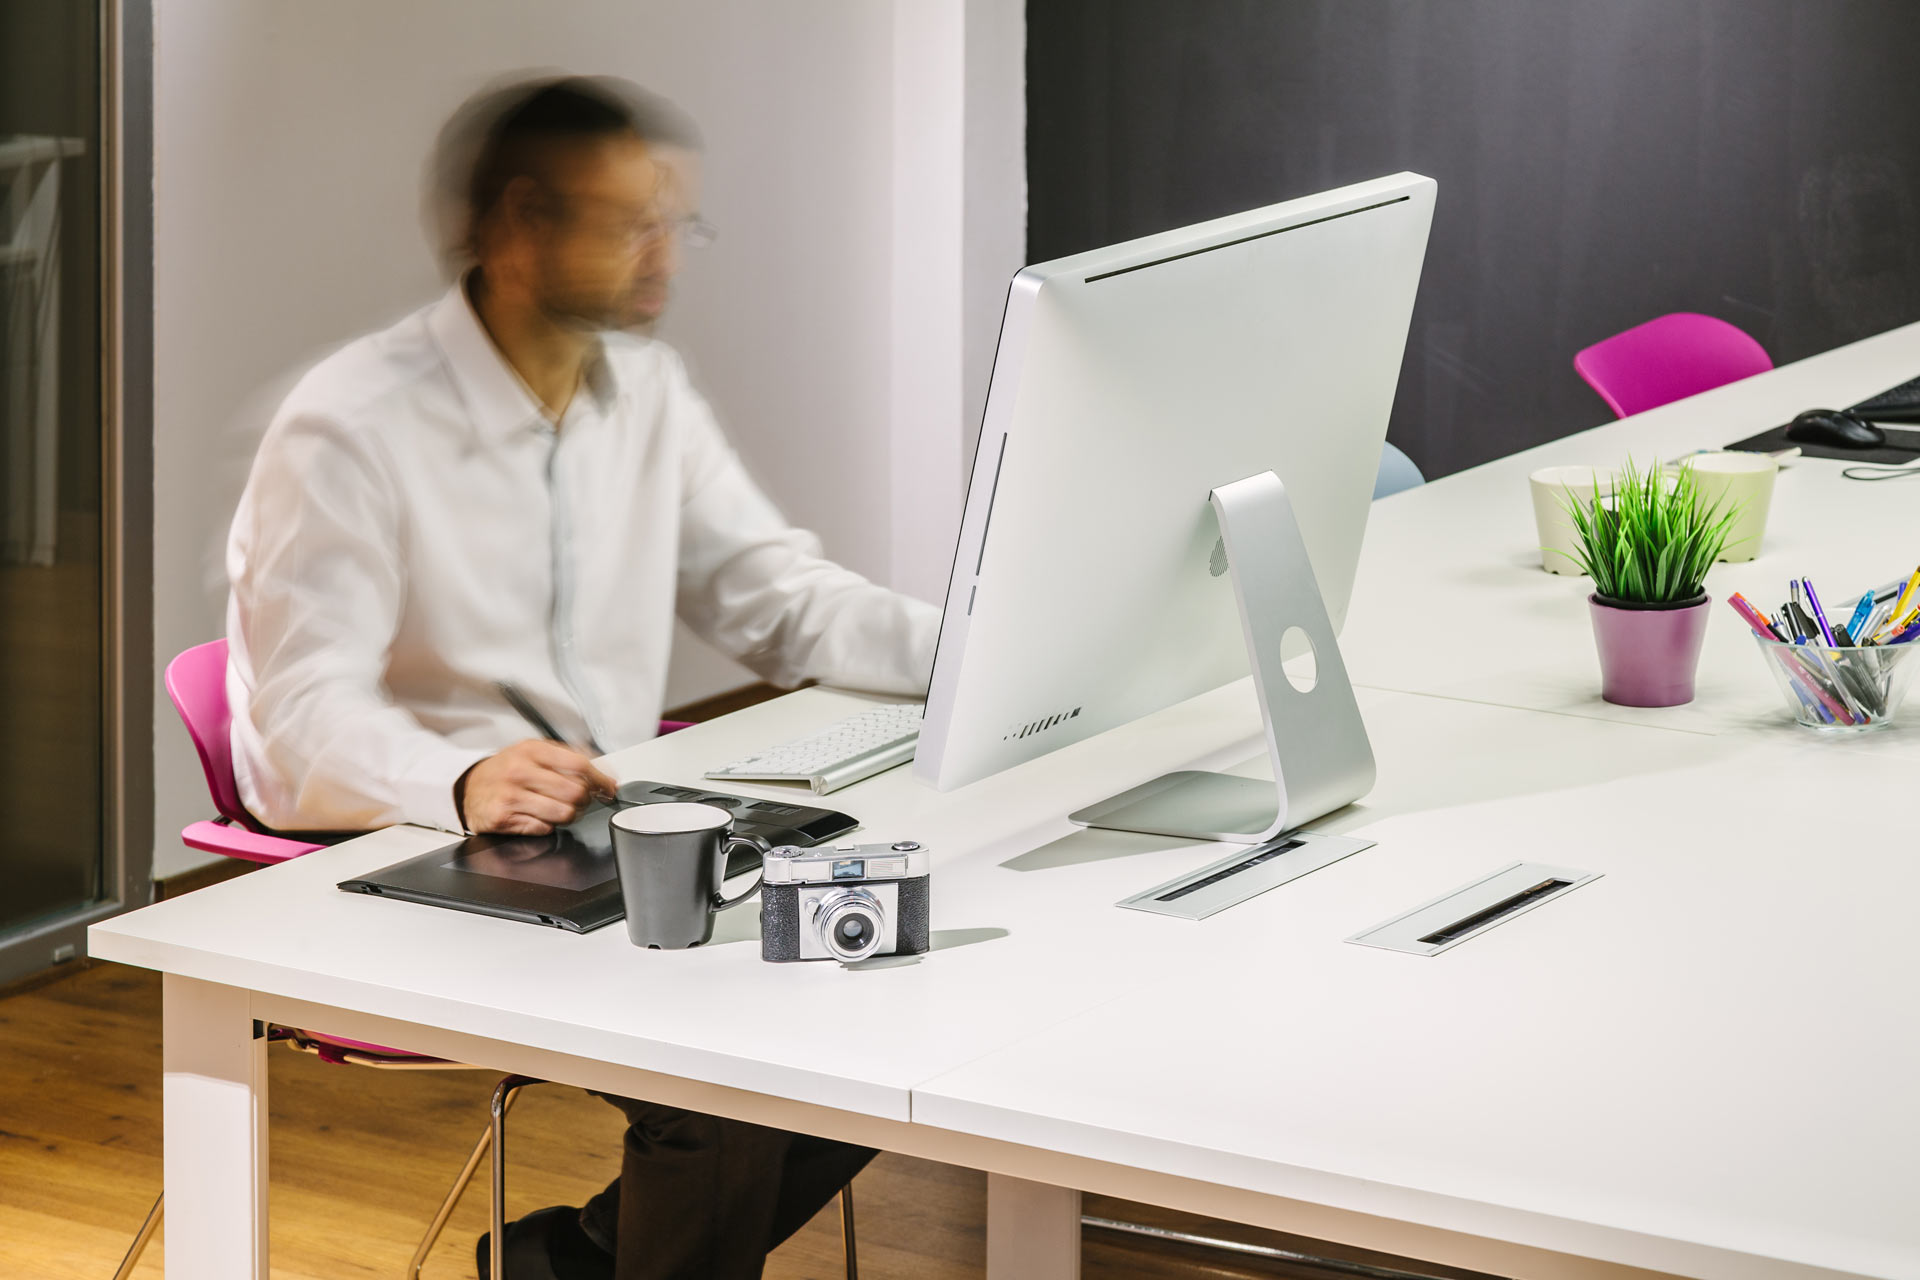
(53, 764)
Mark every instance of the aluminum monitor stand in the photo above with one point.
(1322, 759)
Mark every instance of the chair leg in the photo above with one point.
(503, 1096)
(460, 1183)
(846, 1232)
(139, 1245)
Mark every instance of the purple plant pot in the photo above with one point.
(1648, 653)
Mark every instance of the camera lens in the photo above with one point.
(850, 927)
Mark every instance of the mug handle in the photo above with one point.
(720, 902)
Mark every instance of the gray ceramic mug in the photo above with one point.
(671, 859)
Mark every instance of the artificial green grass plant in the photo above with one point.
(1650, 542)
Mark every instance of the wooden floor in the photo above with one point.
(360, 1158)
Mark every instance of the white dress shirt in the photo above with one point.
(415, 529)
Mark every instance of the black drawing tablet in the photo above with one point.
(567, 880)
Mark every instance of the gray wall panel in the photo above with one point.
(1599, 164)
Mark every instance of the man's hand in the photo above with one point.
(529, 789)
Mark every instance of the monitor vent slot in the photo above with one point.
(1026, 729)
(1298, 226)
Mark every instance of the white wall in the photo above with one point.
(288, 144)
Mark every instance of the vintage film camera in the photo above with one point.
(847, 903)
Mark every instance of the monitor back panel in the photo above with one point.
(1088, 585)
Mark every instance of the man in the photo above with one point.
(509, 487)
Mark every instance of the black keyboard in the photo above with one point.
(1896, 404)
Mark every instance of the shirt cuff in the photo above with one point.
(425, 790)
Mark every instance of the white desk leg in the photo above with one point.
(215, 1134)
(1033, 1230)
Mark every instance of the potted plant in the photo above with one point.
(1647, 548)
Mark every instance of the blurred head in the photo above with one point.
(571, 195)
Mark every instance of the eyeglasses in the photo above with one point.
(632, 233)
(640, 234)
(693, 231)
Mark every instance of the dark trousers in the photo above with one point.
(703, 1198)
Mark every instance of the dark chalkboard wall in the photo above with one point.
(1599, 163)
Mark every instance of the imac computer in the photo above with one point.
(1180, 443)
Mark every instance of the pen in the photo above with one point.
(1817, 685)
(1902, 625)
(529, 712)
(1856, 683)
(1819, 614)
(1907, 593)
(1896, 622)
(1805, 684)
(1814, 709)
(1844, 686)
(1861, 612)
(1875, 621)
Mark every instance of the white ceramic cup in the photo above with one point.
(1739, 480)
(1552, 488)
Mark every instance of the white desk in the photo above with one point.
(1450, 599)
(1703, 1062)
(1669, 1069)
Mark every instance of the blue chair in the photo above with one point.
(1397, 472)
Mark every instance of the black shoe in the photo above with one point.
(547, 1244)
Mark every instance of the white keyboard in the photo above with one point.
(839, 755)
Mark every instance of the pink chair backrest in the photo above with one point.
(1669, 358)
(197, 683)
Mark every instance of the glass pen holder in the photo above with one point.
(1841, 690)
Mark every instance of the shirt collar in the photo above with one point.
(496, 396)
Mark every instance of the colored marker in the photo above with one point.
(1751, 616)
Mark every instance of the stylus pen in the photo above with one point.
(531, 714)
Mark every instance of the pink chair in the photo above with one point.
(196, 680)
(197, 683)
(1669, 358)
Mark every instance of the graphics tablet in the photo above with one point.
(567, 880)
